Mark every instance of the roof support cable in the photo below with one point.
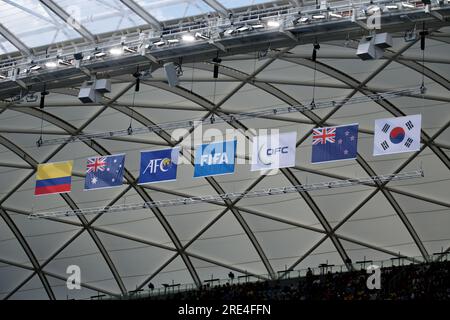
(137, 87)
(423, 35)
(41, 107)
(314, 58)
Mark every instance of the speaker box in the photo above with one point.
(88, 95)
(171, 74)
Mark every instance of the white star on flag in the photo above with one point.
(345, 152)
(340, 141)
(94, 180)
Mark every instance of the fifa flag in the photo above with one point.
(104, 172)
(397, 135)
(274, 151)
(335, 143)
(53, 178)
(158, 165)
(215, 159)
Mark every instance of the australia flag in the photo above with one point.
(104, 172)
(335, 143)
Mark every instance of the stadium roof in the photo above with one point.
(260, 237)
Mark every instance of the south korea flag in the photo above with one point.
(397, 135)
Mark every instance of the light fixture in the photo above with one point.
(202, 36)
(408, 5)
(303, 19)
(258, 26)
(391, 6)
(159, 43)
(129, 50)
(173, 41)
(116, 51)
(243, 28)
(188, 37)
(229, 32)
(318, 16)
(51, 64)
(372, 10)
(35, 67)
(335, 15)
(273, 24)
(2, 77)
(99, 54)
(66, 63)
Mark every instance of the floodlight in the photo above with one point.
(273, 23)
(129, 50)
(188, 37)
(408, 5)
(66, 63)
(228, 32)
(202, 36)
(159, 43)
(335, 15)
(116, 51)
(35, 67)
(391, 6)
(99, 54)
(372, 10)
(51, 64)
(242, 29)
(173, 41)
(318, 16)
(303, 19)
(257, 26)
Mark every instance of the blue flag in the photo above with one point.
(104, 172)
(158, 165)
(215, 158)
(335, 143)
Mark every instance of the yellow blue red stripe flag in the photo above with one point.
(54, 178)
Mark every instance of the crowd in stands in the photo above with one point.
(411, 282)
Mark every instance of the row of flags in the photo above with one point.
(394, 135)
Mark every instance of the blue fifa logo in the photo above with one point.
(215, 159)
(158, 165)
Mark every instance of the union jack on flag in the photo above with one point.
(335, 143)
(324, 135)
(96, 164)
(104, 172)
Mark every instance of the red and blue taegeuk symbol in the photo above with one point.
(397, 135)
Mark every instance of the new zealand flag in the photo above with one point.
(335, 143)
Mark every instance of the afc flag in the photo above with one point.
(158, 165)
(335, 143)
(397, 135)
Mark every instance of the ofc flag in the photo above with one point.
(158, 165)
(215, 159)
(53, 178)
(335, 143)
(104, 172)
(274, 151)
(397, 135)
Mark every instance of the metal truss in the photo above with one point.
(229, 118)
(229, 196)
